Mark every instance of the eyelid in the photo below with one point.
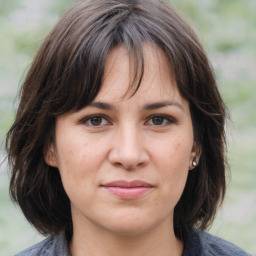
(169, 119)
(87, 118)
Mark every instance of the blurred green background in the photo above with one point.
(227, 29)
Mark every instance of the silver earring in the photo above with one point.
(194, 163)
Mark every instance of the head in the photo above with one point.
(67, 74)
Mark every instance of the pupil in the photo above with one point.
(96, 121)
(158, 120)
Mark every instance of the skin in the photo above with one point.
(130, 142)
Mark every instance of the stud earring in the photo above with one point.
(194, 163)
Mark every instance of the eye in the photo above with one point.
(95, 120)
(160, 120)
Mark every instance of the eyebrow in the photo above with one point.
(161, 104)
(149, 106)
(101, 105)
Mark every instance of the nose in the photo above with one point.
(128, 149)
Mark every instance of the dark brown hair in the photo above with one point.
(66, 74)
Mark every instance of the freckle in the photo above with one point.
(177, 145)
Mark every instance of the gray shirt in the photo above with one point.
(196, 243)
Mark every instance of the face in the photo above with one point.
(124, 160)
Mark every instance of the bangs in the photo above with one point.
(79, 48)
(80, 76)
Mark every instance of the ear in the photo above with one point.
(194, 156)
(50, 155)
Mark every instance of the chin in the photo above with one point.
(131, 224)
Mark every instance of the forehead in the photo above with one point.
(120, 75)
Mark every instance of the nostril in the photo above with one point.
(128, 164)
(128, 150)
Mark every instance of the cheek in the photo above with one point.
(173, 166)
(175, 153)
(72, 158)
(79, 158)
(77, 170)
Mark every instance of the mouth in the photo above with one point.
(128, 190)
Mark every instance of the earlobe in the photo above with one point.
(195, 156)
(50, 156)
(194, 162)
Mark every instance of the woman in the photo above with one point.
(118, 144)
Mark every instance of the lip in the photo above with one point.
(128, 190)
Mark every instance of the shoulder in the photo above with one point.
(42, 247)
(51, 246)
(213, 245)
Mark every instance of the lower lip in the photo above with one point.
(129, 193)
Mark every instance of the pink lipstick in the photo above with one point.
(128, 190)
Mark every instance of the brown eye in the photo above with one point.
(158, 120)
(96, 121)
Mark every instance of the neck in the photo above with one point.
(157, 241)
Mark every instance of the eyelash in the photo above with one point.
(168, 120)
(90, 118)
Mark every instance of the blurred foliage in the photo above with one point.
(23, 26)
(227, 29)
(227, 25)
(7, 6)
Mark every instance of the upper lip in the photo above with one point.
(128, 184)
